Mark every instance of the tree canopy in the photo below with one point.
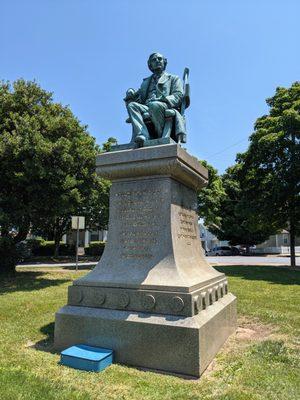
(270, 168)
(224, 209)
(210, 198)
(260, 194)
(47, 162)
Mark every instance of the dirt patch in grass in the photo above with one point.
(249, 331)
(253, 330)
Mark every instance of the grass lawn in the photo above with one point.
(261, 361)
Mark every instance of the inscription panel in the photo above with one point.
(186, 226)
(139, 221)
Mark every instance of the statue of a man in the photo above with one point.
(158, 92)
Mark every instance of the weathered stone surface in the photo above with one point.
(152, 287)
(147, 143)
(163, 342)
(153, 239)
(156, 301)
(166, 160)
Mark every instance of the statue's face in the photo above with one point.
(157, 63)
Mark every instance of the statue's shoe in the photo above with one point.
(140, 140)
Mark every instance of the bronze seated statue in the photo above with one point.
(157, 109)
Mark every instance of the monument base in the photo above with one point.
(182, 345)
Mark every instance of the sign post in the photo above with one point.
(77, 223)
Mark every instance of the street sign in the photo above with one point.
(78, 222)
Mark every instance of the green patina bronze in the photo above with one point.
(156, 110)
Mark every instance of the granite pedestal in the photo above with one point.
(152, 298)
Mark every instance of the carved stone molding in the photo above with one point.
(167, 160)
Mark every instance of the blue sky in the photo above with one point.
(88, 52)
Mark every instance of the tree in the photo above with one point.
(223, 207)
(106, 146)
(270, 168)
(210, 197)
(47, 162)
(238, 224)
(97, 207)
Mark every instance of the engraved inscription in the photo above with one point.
(186, 226)
(138, 221)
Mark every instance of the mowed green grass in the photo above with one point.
(260, 362)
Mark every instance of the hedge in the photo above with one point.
(95, 248)
(47, 248)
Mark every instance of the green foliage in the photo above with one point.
(47, 163)
(222, 206)
(34, 243)
(9, 255)
(237, 222)
(95, 248)
(262, 367)
(96, 209)
(47, 248)
(106, 146)
(262, 190)
(270, 169)
(210, 198)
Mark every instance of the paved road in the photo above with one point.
(253, 260)
(55, 265)
(229, 260)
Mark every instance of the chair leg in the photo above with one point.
(167, 128)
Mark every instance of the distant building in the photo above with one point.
(208, 240)
(85, 237)
(278, 244)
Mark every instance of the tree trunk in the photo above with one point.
(56, 246)
(292, 201)
(57, 236)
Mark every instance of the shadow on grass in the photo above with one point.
(27, 281)
(281, 276)
(46, 344)
(80, 267)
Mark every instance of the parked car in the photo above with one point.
(220, 251)
(247, 251)
(235, 251)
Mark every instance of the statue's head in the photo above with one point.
(157, 62)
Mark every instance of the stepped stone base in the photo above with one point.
(152, 298)
(163, 342)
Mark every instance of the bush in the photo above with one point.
(9, 255)
(34, 243)
(47, 248)
(24, 250)
(95, 249)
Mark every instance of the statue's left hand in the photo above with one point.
(131, 94)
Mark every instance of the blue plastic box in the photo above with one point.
(86, 357)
